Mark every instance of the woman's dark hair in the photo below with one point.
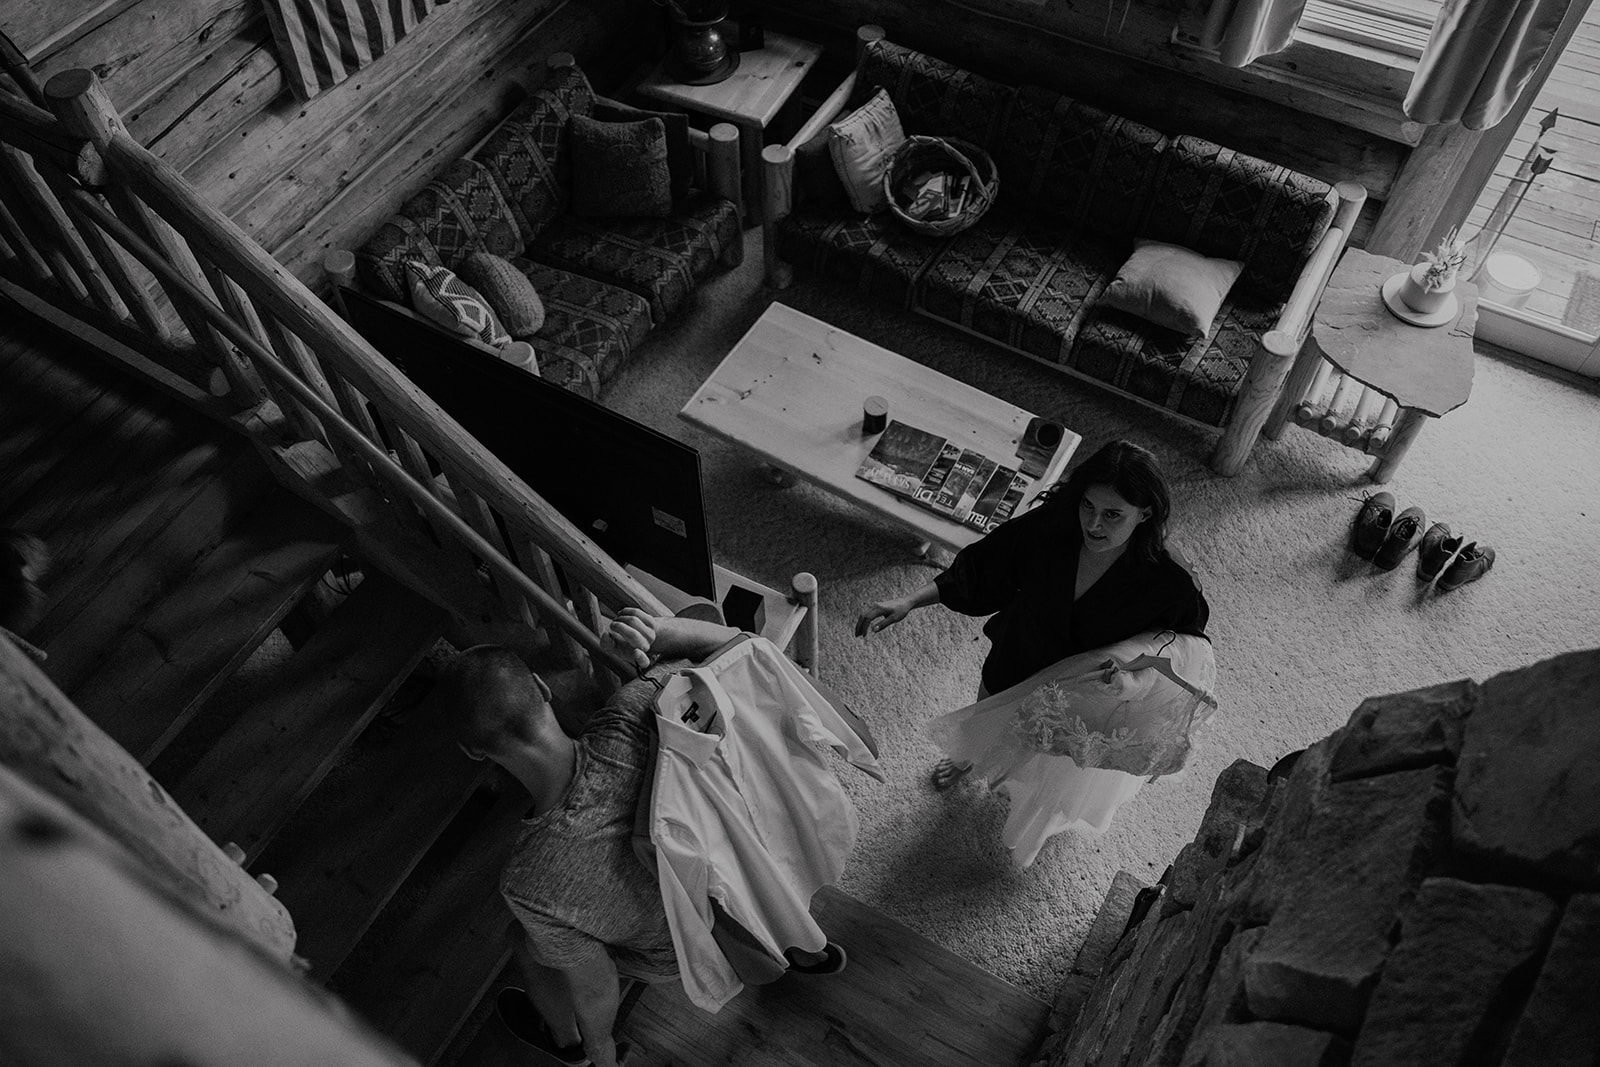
(1133, 472)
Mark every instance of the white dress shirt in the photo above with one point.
(746, 810)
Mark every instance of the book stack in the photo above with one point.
(960, 483)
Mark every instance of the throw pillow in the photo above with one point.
(816, 180)
(501, 238)
(862, 144)
(437, 294)
(619, 169)
(1172, 286)
(680, 156)
(507, 291)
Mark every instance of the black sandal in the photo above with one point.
(947, 772)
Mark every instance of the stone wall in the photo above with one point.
(1420, 887)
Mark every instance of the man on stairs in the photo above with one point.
(589, 909)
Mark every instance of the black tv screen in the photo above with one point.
(635, 491)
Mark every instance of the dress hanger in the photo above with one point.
(1162, 665)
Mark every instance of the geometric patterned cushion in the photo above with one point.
(459, 213)
(528, 156)
(1087, 167)
(439, 295)
(662, 260)
(590, 328)
(876, 255)
(619, 169)
(1022, 280)
(931, 96)
(1198, 378)
(1229, 205)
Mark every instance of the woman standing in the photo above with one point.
(1087, 567)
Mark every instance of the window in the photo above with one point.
(1400, 27)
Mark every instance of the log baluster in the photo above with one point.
(77, 98)
(31, 216)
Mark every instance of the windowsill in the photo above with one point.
(1355, 83)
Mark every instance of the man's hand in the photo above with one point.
(630, 636)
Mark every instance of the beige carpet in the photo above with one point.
(1303, 630)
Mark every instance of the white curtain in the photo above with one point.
(1479, 58)
(1243, 30)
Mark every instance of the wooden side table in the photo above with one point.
(751, 99)
(1368, 379)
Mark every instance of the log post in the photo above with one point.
(865, 35)
(1262, 385)
(47, 741)
(97, 965)
(804, 585)
(1407, 426)
(725, 178)
(777, 161)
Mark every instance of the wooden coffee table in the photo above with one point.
(791, 392)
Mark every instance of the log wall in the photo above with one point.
(198, 81)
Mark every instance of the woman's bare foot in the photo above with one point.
(948, 772)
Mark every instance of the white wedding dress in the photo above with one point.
(1071, 743)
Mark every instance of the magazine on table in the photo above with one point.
(959, 483)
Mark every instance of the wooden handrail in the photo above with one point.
(109, 205)
(370, 453)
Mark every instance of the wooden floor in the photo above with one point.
(1557, 226)
(902, 1001)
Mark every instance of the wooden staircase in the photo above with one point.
(178, 567)
(181, 571)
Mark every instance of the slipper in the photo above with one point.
(527, 1026)
(947, 773)
(833, 961)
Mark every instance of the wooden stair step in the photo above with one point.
(427, 965)
(108, 430)
(91, 608)
(86, 556)
(902, 999)
(362, 832)
(146, 688)
(44, 399)
(282, 744)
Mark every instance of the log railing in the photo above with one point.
(102, 231)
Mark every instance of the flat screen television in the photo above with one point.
(635, 491)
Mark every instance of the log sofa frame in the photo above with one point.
(1276, 347)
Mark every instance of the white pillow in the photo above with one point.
(438, 294)
(862, 144)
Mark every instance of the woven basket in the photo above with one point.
(953, 156)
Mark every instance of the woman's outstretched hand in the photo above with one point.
(883, 614)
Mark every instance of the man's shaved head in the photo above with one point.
(492, 697)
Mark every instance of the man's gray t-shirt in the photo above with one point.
(574, 881)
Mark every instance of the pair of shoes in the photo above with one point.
(833, 961)
(1451, 561)
(519, 1016)
(948, 772)
(1381, 535)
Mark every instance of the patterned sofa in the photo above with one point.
(1077, 185)
(603, 282)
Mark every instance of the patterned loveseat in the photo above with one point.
(1077, 185)
(603, 281)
